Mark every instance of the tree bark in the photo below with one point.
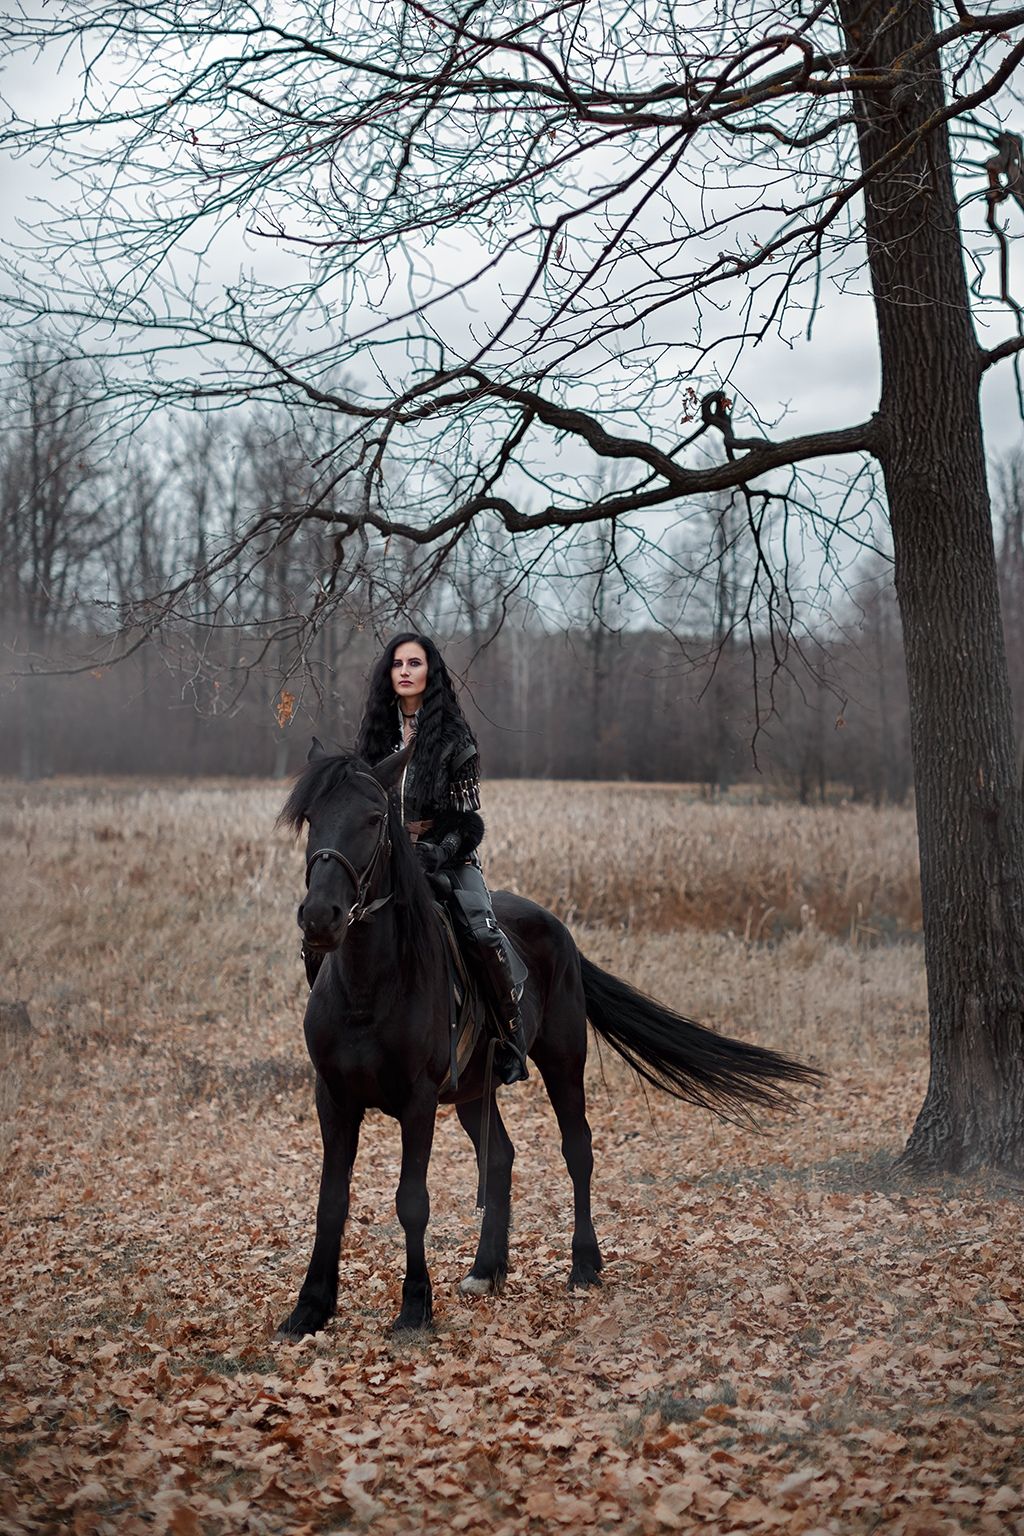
(962, 735)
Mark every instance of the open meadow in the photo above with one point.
(790, 1337)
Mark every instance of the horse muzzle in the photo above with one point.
(323, 924)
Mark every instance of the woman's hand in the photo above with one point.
(430, 856)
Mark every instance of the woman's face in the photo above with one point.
(409, 675)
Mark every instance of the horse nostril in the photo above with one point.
(336, 914)
(301, 914)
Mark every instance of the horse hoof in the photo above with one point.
(481, 1285)
(297, 1326)
(412, 1324)
(583, 1277)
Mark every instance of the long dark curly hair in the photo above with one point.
(440, 716)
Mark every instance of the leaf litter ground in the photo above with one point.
(789, 1339)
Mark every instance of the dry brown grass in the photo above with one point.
(657, 857)
(135, 906)
(136, 912)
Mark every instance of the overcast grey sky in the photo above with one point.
(803, 386)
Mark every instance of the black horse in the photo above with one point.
(377, 1029)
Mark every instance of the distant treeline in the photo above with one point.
(683, 670)
(583, 705)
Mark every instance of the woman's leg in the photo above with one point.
(471, 907)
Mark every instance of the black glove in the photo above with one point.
(431, 856)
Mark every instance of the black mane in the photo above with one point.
(318, 783)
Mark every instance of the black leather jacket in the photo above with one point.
(451, 804)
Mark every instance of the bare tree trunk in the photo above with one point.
(930, 445)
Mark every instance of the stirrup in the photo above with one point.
(510, 1055)
(509, 1066)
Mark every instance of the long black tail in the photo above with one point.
(684, 1058)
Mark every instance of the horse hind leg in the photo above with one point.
(490, 1267)
(561, 1067)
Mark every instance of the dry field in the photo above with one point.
(658, 857)
(790, 1338)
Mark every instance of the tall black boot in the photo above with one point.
(510, 1055)
(487, 952)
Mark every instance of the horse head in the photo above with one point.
(345, 807)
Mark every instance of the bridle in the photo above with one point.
(361, 908)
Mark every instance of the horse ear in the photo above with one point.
(388, 772)
(317, 749)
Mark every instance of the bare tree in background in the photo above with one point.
(515, 242)
(56, 524)
(712, 606)
(871, 681)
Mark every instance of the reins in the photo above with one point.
(361, 908)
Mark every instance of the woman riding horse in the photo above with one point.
(378, 1030)
(411, 699)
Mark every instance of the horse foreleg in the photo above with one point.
(490, 1267)
(339, 1131)
(563, 1078)
(412, 1202)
